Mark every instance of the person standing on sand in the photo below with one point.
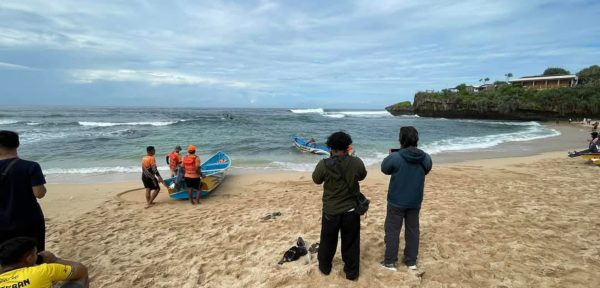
(408, 167)
(193, 175)
(340, 174)
(174, 160)
(150, 176)
(21, 182)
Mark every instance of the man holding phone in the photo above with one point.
(408, 167)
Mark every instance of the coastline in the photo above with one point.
(485, 222)
(81, 194)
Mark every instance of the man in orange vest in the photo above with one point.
(174, 160)
(191, 164)
(150, 176)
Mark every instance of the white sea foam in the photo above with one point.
(482, 142)
(97, 170)
(109, 124)
(33, 123)
(6, 122)
(334, 115)
(293, 166)
(307, 111)
(510, 123)
(359, 114)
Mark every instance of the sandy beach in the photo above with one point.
(525, 221)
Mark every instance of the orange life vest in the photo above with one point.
(190, 166)
(173, 160)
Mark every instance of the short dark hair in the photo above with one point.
(409, 136)
(9, 139)
(149, 149)
(339, 141)
(12, 250)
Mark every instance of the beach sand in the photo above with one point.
(510, 222)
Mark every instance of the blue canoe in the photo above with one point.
(214, 170)
(302, 145)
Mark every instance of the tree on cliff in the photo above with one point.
(589, 75)
(555, 71)
(508, 76)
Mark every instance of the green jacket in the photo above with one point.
(337, 173)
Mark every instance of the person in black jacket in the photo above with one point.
(408, 167)
(340, 174)
(20, 187)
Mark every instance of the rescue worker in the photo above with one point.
(150, 176)
(174, 160)
(191, 164)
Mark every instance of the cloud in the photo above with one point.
(10, 66)
(156, 78)
(285, 52)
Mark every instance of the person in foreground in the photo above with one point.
(408, 167)
(340, 174)
(18, 269)
(174, 160)
(193, 180)
(21, 182)
(150, 176)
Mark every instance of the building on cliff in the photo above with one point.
(545, 82)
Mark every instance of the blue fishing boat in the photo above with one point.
(214, 170)
(303, 145)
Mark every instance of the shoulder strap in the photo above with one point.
(7, 169)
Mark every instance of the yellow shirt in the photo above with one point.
(40, 276)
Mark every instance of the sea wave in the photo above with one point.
(481, 142)
(494, 122)
(6, 122)
(110, 124)
(306, 111)
(360, 114)
(97, 170)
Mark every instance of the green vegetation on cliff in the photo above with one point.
(505, 101)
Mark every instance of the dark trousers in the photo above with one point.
(349, 225)
(393, 225)
(36, 231)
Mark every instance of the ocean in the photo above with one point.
(101, 141)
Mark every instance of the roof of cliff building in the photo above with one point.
(536, 78)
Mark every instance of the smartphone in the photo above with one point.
(394, 150)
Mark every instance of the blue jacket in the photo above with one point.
(408, 168)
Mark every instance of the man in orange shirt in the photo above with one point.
(174, 160)
(150, 176)
(193, 180)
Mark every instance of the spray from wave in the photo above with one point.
(110, 124)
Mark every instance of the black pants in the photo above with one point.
(349, 225)
(393, 225)
(36, 231)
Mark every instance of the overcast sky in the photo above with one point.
(329, 54)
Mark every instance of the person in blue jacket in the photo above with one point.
(408, 167)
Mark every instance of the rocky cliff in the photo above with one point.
(507, 103)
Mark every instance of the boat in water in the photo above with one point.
(303, 145)
(214, 170)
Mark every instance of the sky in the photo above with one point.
(280, 54)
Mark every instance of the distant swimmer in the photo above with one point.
(228, 116)
(174, 160)
(150, 176)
